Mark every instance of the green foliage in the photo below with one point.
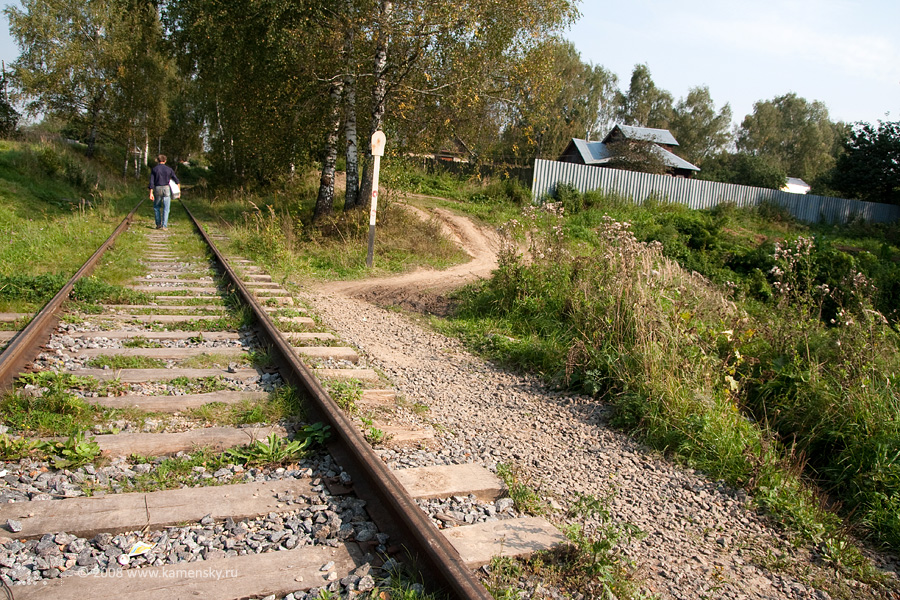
(173, 473)
(140, 342)
(73, 452)
(16, 448)
(743, 169)
(795, 134)
(9, 116)
(504, 573)
(200, 386)
(524, 497)
(591, 565)
(701, 131)
(119, 361)
(67, 454)
(593, 557)
(406, 176)
(285, 403)
(801, 366)
(645, 104)
(92, 290)
(346, 393)
(50, 409)
(577, 101)
(869, 168)
(373, 435)
(67, 167)
(276, 450)
(273, 232)
(39, 289)
(80, 76)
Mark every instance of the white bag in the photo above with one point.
(175, 189)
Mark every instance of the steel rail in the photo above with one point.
(388, 502)
(24, 347)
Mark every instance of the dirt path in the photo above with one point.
(424, 290)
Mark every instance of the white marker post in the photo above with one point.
(378, 141)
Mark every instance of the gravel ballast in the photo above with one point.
(701, 537)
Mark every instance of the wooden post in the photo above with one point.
(378, 141)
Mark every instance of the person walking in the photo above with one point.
(160, 193)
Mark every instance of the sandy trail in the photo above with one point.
(425, 289)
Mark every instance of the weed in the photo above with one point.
(524, 497)
(284, 403)
(15, 448)
(373, 435)
(48, 407)
(140, 342)
(705, 372)
(201, 385)
(346, 393)
(119, 361)
(170, 473)
(596, 539)
(74, 452)
(276, 450)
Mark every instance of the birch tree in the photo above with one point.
(71, 55)
(700, 130)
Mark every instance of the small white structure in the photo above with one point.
(795, 185)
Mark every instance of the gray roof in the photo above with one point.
(673, 160)
(796, 181)
(645, 134)
(593, 153)
(598, 153)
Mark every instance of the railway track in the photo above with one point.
(182, 504)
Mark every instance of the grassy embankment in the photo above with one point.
(760, 350)
(56, 208)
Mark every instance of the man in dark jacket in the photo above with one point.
(160, 193)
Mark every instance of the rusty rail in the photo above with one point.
(387, 501)
(24, 347)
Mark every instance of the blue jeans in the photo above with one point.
(162, 199)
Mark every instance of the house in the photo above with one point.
(795, 185)
(599, 154)
(452, 150)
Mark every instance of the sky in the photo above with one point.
(844, 53)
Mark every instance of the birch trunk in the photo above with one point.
(325, 199)
(379, 93)
(351, 195)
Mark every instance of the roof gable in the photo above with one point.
(598, 153)
(643, 134)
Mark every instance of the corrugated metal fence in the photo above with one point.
(698, 194)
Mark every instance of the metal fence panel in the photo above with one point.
(696, 194)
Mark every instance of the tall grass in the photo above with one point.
(779, 401)
(274, 227)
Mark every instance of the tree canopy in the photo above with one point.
(796, 134)
(700, 130)
(869, 169)
(79, 59)
(644, 104)
(261, 87)
(742, 168)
